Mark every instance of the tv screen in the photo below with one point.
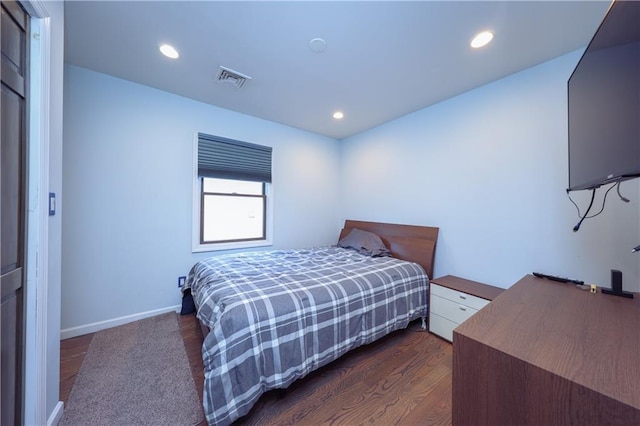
(604, 103)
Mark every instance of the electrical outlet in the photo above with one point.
(181, 281)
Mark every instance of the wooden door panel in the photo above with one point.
(13, 48)
(13, 148)
(8, 361)
(11, 174)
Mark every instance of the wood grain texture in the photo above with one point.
(72, 352)
(404, 378)
(408, 242)
(14, 70)
(547, 353)
(192, 338)
(481, 290)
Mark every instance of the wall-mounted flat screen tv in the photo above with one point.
(604, 103)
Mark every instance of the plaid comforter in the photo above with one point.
(276, 316)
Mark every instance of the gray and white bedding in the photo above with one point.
(275, 316)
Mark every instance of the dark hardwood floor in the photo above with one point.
(404, 378)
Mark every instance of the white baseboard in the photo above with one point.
(102, 325)
(56, 414)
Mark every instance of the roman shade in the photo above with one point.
(224, 158)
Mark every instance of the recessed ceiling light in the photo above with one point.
(318, 45)
(482, 39)
(338, 115)
(169, 51)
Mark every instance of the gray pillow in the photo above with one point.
(364, 242)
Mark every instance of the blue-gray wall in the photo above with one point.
(128, 157)
(489, 167)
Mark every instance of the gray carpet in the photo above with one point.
(135, 374)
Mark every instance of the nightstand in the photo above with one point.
(453, 300)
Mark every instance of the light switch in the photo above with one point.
(52, 203)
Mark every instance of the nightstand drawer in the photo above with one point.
(458, 297)
(441, 326)
(456, 312)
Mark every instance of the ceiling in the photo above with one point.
(383, 59)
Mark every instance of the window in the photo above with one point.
(232, 210)
(232, 200)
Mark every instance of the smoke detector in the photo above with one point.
(231, 77)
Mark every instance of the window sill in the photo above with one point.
(200, 248)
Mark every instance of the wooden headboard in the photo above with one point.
(407, 242)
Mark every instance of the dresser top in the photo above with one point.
(474, 288)
(591, 339)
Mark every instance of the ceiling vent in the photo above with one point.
(231, 77)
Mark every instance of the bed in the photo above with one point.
(272, 317)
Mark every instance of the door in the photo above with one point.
(13, 27)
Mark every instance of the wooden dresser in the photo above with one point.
(547, 353)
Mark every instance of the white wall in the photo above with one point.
(54, 280)
(128, 192)
(489, 167)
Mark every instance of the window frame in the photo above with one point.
(197, 209)
(262, 196)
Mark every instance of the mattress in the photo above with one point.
(275, 316)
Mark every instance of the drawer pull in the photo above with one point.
(462, 296)
(462, 308)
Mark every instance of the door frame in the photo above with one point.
(37, 260)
